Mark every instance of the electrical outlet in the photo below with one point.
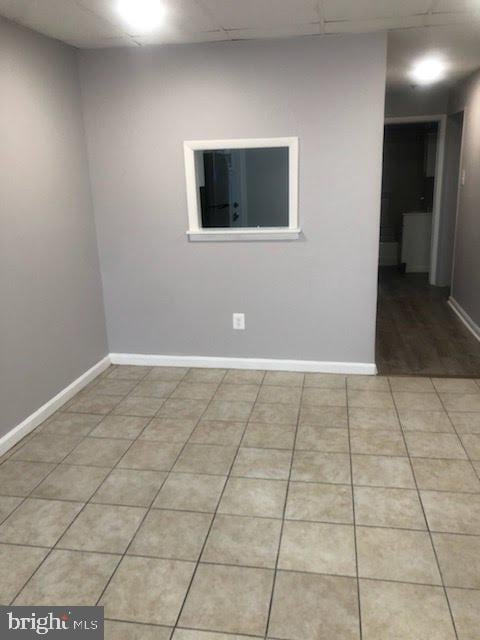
(239, 321)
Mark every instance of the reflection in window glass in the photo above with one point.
(243, 187)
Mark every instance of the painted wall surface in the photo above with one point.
(418, 101)
(310, 299)
(466, 265)
(52, 325)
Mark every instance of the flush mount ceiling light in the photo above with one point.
(428, 70)
(141, 16)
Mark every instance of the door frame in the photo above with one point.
(441, 119)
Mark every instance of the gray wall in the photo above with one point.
(312, 299)
(466, 266)
(52, 325)
(418, 101)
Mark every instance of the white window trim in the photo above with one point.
(196, 233)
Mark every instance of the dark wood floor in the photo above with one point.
(418, 333)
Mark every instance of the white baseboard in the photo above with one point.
(270, 364)
(45, 411)
(471, 325)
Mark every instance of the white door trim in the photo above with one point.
(437, 198)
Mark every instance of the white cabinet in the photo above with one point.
(416, 241)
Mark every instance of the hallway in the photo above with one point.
(418, 333)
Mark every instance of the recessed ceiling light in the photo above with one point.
(141, 16)
(428, 70)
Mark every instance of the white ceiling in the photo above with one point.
(416, 27)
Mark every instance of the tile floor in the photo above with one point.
(206, 504)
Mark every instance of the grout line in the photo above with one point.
(426, 521)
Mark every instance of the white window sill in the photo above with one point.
(245, 234)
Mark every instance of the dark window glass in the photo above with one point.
(243, 187)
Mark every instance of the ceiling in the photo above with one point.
(416, 27)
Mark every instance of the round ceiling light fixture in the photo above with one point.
(141, 16)
(428, 70)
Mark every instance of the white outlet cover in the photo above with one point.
(239, 321)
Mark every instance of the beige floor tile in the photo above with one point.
(205, 375)
(325, 380)
(382, 471)
(329, 440)
(314, 607)
(324, 416)
(465, 604)
(244, 376)
(452, 512)
(459, 559)
(228, 599)
(120, 427)
(476, 466)
(156, 456)
(195, 390)
(368, 399)
(183, 408)
(434, 445)
(435, 421)
(169, 430)
(414, 384)
(455, 385)
(375, 506)
(314, 466)
(281, 394)
(445, 475)
(191, 492)
(17, 564)
(471, 442)
(396, 554)
(396, 611)
(147, 590)
(376, 419)
(269, 436)
(111, 387)
(408, 400)
(461, 401)
(465, 422)
(262, 463)
(237, 392)
(324, 397)
(155, 389)
(131, 631)
(92, 404)
(130, 487)
(228, 410)
(252, 497)
(178, 535)
(127, 372)
(167, 374)
(98, 452)
(275, 413)
(368, 383)
(386, 443)
(46, 448)
(103, 528)
(284, 377)
(243, 541)
(190, 634)
(69, 578)
(218, 432)
(7, 505)
(75, 424)
(19, 478)
(138, 406)
(320, 502)
(69, 482)
(39, 522)
(205, 458)
(318, 547)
